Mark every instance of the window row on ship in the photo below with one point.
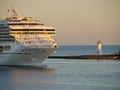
(4, 33)
(34, 43)
(42, 39)
(25, 24)
(6, 36)
(10, 39)
(32, 29)
(32, 32)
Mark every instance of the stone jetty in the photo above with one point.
(86, 57)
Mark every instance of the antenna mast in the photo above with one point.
(13, 9)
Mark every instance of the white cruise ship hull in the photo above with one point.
(24, 40)
(20, 55)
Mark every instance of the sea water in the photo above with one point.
(66, 74)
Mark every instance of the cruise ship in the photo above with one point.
(24, 40)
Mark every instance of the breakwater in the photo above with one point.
(93, 57)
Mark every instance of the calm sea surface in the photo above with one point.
(66, 74)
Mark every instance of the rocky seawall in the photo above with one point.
(93, 57)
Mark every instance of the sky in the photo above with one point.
(77, 22)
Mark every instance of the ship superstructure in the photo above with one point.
(24, 40)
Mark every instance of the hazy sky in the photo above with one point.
(77, 22)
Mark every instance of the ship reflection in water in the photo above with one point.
(22, 78)
(63, 74)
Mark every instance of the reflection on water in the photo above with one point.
(63, 74)
(22, 78)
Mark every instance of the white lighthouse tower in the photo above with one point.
(99, 47)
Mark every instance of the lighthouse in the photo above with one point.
(99, 47)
